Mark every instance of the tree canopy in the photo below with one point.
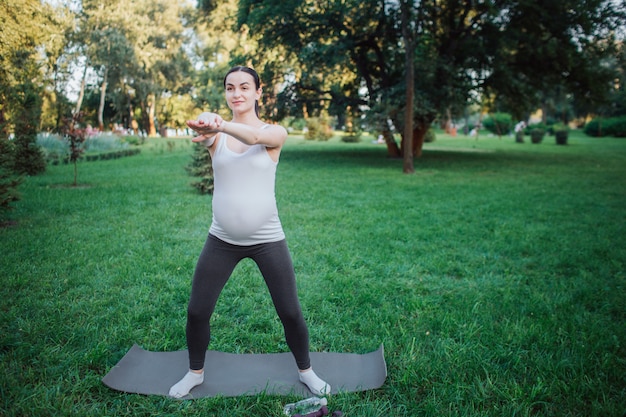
(156, 61)
(504, 52)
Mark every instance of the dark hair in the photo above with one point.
(257, 80)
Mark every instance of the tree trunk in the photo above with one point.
(81, 93)
(103, 93)
(419, 133)
(393, 151)
(407, 137)
(4, 126)
(151, 112)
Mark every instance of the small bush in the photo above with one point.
(132, 140)
(430, 136)
(528, 130)
(499, 123)
(97, 148)
(201, 167)
(297, 124)
(9, 181)
(610, 126)
(318, 129)
(537, 134)
(561, 133)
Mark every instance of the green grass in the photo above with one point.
(494, 276)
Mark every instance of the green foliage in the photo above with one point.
(103, 156)
(500, 124)
(528, 129)
(430, 136)
(537, 134)
(561, 133)
(96, 147)
(201, 167)
(28, 157)
(132, 139)
(353, 137)
(610, 126)
(318, 128)
(75, 137)
(295, 123)
(9, 182)
(9, 194)
(518, 60)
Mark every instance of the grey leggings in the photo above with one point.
(215, 265)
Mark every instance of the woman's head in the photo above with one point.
(253, 74)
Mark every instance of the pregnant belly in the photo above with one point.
(241, 218)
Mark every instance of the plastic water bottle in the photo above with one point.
(305, 406)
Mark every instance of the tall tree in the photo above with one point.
(462, 49)
(137, 49)
(406, 11)
(22, 35)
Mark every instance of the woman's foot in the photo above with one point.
(190, 380)
(316, 385)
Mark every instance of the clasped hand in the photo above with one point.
(207, 124)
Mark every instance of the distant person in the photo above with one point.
(245, 153)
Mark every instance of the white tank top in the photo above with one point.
(244, 202)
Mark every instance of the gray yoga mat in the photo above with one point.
(230, 375)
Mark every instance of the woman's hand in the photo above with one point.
(206, 125)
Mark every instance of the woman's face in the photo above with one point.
(241, 92)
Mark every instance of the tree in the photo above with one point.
(28, 157)
(59, 52)
(406, 10)
(25, 97)
(463, 50)
(75, 137)
(21, 80)
(136, 49)
(162, 65)
(202, 168)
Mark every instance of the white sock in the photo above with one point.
(315, 384)
(182, 387)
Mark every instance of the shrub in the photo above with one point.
(499, 123)
(318, 129)
(352, 137)
(537, 134)
(561, 132)
(8, 190)
(202, 168)
(297, 124)
(28, 157)
(430, 136)
(528, 130)
(610, 126)
(132, 140)
(9, 182)
(97, 147)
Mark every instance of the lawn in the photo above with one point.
(495, 277)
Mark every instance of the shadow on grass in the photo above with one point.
(455, 159)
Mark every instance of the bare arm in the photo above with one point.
(209, 124)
